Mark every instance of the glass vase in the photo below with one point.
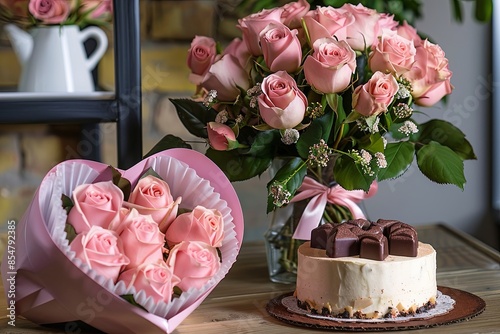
(281, 248)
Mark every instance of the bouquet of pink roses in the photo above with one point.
(147, 244)
(330, 91)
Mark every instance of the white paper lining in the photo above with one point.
(444, 304)
(182, 180)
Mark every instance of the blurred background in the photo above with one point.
(27, 152)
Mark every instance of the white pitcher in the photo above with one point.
(53, 58)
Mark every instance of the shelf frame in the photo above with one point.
(125, 108)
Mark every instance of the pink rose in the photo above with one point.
(101, 250)
(226, 76)
(325, 22)
(50, 11)
(194, 263)
(142, 240)
(430, 76)
(293, 13)
(385, 22)
(151, 196)
(410, 33)
(239, 49)
(201, 56)
(155, 279)
(96, 204)
(362, 33)
(100, 8)
(281, 105)
(376, 95)
(220, 136)
(201, 224)
(329, 69)
(392, 53)
(281, 48)
(252, 25)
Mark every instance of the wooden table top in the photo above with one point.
(238, 303)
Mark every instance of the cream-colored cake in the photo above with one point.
(364, 288)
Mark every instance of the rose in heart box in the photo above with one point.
(53, 286)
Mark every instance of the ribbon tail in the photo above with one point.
(311, 217)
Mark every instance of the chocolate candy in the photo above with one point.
(342, 242)
(371, 240)
(320, 235)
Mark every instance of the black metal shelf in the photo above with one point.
(124, 108)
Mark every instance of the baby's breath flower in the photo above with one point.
(365, 127)
(210, 99)
(290, 136)
(239, 119)
(381, 162)
(404, 90)
(254, 93)
(402, 110)
(361, 158)
(408, 128)
(281, 196)
(367, 157)
(222, 116)
(314, 110)
(319, 154)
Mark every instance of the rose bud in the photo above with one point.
(221, 137)
(374, 97)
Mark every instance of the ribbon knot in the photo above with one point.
(320, 195)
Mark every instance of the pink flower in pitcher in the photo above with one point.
(151, 196)
(99, 8)
(329, 69)
(201, 56)
(156, 279)
(201, 224)
(50, 11)
(220, 136)
(374, 97)
(281, 48)
(282, 105)
(194, 263)
(293, 13)
(101, 250)
(392, 53)
(97, 204)
(141, 237)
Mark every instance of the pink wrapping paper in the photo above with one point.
(51, 289)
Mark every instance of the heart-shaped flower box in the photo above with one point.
(51, 286)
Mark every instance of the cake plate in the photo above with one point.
(467, 306)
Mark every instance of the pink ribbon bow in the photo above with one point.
(320, 195)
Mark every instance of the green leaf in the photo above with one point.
(67, 203)
(320, 128)
(399, 157)
(262, 144)
(70, 232)
(239, 167)
(440, 164)
(167, 142)
(350, 175)
(130, 298)
(372, 143)
(290, 176)
(194, 115)
(448, 135)
(152, 172)
(112, 174)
